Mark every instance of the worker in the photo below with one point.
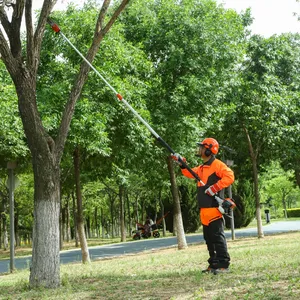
(215, 176)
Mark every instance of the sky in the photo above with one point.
(270, 16)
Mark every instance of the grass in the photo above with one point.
(25, 250)
(265, 268)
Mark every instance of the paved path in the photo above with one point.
(132, 247)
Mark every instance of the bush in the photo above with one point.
(293, 212)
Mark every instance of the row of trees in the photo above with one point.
(190, 68)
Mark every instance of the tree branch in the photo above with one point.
(112, 19)
(14, 37)
(4, 21)
(29, 32)
(6, 55)
(99, 24)
(82, 76)
(39, 32)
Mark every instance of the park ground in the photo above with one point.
(266, 268)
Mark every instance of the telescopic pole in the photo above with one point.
(56, 28)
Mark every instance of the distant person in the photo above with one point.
(216, 176)
(147, 226)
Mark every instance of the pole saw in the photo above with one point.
(223, 203)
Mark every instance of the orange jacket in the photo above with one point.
(211, 172)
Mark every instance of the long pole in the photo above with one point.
(56, 28)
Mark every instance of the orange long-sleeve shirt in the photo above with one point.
(211, 172)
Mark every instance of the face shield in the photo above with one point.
(198, 150)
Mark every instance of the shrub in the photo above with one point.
(293, 212)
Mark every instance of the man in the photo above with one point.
(147, 226)
(216, 176)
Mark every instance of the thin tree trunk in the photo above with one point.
(61, 227)
(75, 221)
(68, 228)
(137, 209)
(253, 157)
(80, 220)
(5, 234)
(16, 226)
(162, 212)
(96, 223)
(128, 212)
(88, 227)
(297, 172)
(284, 205)
(122, 214)
(181, 240)
(102, 223)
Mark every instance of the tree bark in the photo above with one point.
(80, 220)
(45, 269)
(75, 221)
(181, 240)
(297, 172)
(122, 214)
(162, 212)
(253, 157)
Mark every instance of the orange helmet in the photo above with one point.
(210, 144)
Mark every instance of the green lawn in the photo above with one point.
(25, 250)
(265, 268)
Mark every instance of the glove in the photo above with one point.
(213, 189)
(176, 157)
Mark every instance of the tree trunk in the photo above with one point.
(297, 172)
(88, 227)
(16, 226)
(162, 213)
(128, 213)
(68, 229)
(253, 157)
(61, 227)
(96, 223)
(45, 269)
(181, 240)
(80, 220)
(284, 205)
(75, 221)
(136, 209)
(122, 214)
(112, 200)
(5, 234)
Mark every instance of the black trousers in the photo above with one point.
(216, 244)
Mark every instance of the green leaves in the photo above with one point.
(12, 139)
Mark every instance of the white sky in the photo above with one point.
(270, 16)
